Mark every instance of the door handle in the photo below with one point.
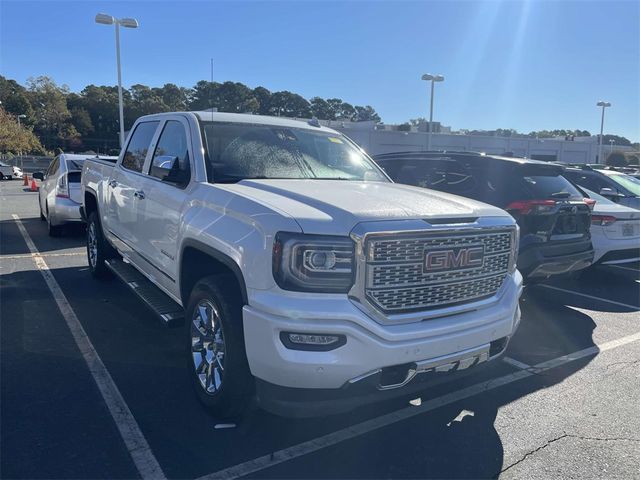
(113, 184)
(139, 194)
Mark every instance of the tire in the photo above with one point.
(98, 249)
(42, 217)
(1, 176)
(53, 230)
(214, 312)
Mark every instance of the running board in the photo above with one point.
(171, 314)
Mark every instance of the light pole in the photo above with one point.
(433, 79)
(603, 105)
(127, 23)
(22, 115)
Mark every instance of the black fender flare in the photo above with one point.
(220, 257)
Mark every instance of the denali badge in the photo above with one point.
(454, 259)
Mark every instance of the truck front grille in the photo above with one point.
(397, 280)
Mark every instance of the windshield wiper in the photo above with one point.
(560, 195)
(237, 178)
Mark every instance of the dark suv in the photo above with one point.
(552, 214)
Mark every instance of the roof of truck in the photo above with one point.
(260, 120)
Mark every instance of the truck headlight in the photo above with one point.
(313, 263)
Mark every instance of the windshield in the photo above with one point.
(2, 164)
(630, 183)
(238, 151)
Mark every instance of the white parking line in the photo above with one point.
(626, 305)
(136, 444)
(516, 363)
(267, 461)
(44, 255)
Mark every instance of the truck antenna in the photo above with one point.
(211, 91)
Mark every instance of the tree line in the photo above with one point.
(52, 117)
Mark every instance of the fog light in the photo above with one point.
(312, 341)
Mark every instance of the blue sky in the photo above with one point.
(527, 65)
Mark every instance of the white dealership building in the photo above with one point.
(381, 138)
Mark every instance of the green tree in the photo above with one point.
(617, 140)
(366, 114)
(287, 104)
(263, 96)
(174, 97)
(15, 139)
(15, 101)
(81, 120)
(321, 109)
(616, 159)
(404, 127)
(203, 96)
(52, 117)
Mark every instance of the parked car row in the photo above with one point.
(304, 277)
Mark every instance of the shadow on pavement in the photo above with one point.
(72, 236)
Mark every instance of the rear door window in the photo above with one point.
(445, 174)
(138, 146)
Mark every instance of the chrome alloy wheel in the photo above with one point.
(92, 244)
(207, 346)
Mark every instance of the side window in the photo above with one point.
(139, 146)
(170, 160)
(53, 167)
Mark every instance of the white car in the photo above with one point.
(9, 172)
(59, 194)
(615, 231)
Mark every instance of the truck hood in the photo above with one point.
(334, 207)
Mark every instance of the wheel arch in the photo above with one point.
(199, 260)
(89, 203)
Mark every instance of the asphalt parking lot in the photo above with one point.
(564, 402)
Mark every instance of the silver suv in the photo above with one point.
(59, 195)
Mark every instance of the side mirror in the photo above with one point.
(610, 193)
(167, 169)
(38, 175)
(163, 165)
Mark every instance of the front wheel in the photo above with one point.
(98, 250)
(217, 360)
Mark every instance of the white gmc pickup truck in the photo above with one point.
(304, 277)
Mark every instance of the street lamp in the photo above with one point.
(105, 19)
(603, 105)
(433, 79)
(22, 115)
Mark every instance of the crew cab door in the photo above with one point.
(123, 191)
(166, 190)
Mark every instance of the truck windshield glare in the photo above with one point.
(239, 151)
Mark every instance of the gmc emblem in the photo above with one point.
(454, 259)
